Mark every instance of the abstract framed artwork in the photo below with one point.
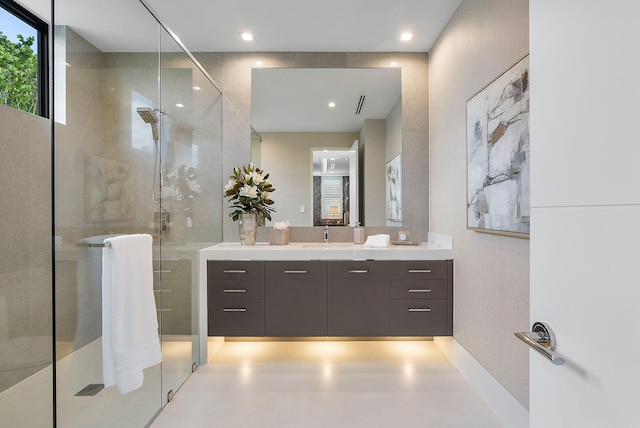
(393, 187)
(498, 154)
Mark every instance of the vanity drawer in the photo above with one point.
(228, 317)
(235, 270)
(420, 317)
(234, 289)
(420, 269)
(419, 289)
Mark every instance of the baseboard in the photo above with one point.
(504, 405)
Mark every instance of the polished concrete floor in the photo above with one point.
(327, 384)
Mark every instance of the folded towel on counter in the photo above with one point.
(377, 241)
(130, 341)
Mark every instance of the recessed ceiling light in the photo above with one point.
(179, 105)
(196, 88)
(405, 37)
(393, 64)
(259, 63)
(332, 104)
(247, 37)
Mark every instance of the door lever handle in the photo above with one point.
(542, 340)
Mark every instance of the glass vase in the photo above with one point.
(247, 227)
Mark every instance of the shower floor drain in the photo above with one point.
(90, 390)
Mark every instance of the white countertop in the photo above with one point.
(330, 251)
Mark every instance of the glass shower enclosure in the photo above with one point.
(137, 154)
(134, 146)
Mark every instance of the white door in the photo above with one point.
(585, 216)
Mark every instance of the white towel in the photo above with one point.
(377, 241)
(130, 341)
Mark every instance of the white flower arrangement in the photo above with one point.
(250, 191)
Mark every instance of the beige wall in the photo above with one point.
(491, 294)
(25, 248)
(393, 132)
(232, 72)
(372, 172)
(278, 148)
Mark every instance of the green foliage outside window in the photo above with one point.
(18, 73)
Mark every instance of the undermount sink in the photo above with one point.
(328, 246)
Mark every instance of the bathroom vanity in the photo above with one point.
(335, 290)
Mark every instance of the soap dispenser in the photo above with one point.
(358, 235)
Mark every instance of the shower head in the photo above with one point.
(147, 115)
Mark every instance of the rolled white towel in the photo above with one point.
(377, 241)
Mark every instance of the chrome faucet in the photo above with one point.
(326, 234)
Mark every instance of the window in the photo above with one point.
(23, 59)
(331, 186)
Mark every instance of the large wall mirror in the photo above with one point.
(326, 136)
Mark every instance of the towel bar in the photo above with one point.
(108, 244)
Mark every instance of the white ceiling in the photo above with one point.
(307, 26)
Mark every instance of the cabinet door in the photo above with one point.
(296, 298)
(358, 298)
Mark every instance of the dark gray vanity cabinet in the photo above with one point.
(235, 294)
(421, 298)
(295, 298)
(336, 298)
(358, 299)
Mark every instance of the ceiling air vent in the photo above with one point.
(360, 104)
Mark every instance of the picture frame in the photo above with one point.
(393, 189)
(498, 154)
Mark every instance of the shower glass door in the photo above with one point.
(191, 146)
(104, 158)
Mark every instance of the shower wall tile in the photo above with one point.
(25, 248)
(25, 174)
(25, 312)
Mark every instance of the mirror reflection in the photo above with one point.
(335, 184)
(297, 115)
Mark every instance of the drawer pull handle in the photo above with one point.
(234, 310)
(163, 291)
(296, 271)
(234, 271)
(359, 271)
(419, 309)
(162, 271)
(419, 270)
(233, 290)
(417, 290)
(163, 310)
